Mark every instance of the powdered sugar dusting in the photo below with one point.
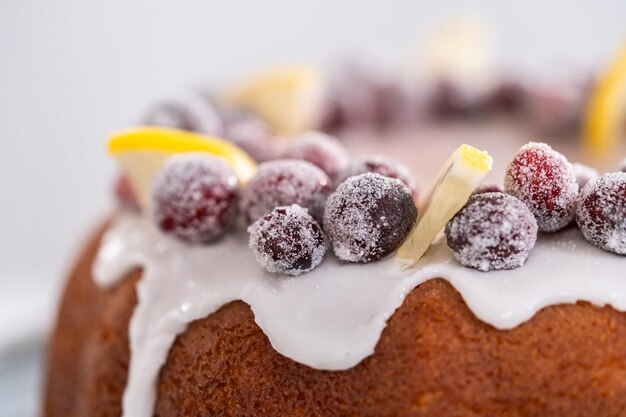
(322, 150)
(544, 180)
(601, 213)
(284, 182)
(493, 231)
(288, 240)
(367, 217)
(194, 197)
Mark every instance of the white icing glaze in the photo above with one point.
(332, 317)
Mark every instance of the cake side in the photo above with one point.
(433, 358)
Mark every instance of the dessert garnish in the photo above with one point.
(289, 99)
(320, 149)
(189, 110)
(367, 217)
(284, 182)
(382, 165)
(458, 178)
(493, 231)
(583, 174)
(252, 135)
(601, 213)
(287, 240)
(487, 188)
(606, 110)
(194, 197)
(141, 152)
(544, 180)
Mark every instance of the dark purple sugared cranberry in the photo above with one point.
(125, 194)
(255, 137)
(287, 240)
(322, 150)
(583, 174)
(449, 99)
(508, 96)
(601, 214)
(382, 165)
(544, 180)
(194, 197)
(556, 108)
(487, 188)
(190, 111)
(284, 182)
(368, 216)
(493, 231)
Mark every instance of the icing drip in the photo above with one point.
(332, 317)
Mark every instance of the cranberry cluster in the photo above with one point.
(366, 206)
(497, 230)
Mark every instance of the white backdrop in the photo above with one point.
(73, 71)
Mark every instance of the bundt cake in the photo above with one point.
(315, 284)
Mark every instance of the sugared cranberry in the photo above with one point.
(255, 137)
(382, 165)
(556, 108)
(508, 95)
(321, 150)
(285, 182)
(125, 194)
(601, 213)
(188, 111)
(622, 165)
(449, 99)
(487, 188)
(194, 197)
(287, 240)
(544, 180)
(583, 174)
(493, 231)
(367, 217)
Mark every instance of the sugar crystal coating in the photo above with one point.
(253, 136)
(601, 213)
(583, 174)
(321, 150)
(368, 216)
(382, 165)
(285, 182)
(287, 240)
(190, 111)
(544, 180)
(194, 197)
(493, 231)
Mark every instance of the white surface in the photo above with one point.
(73, 71)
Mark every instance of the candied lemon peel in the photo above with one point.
(141, 152)
(456, 181)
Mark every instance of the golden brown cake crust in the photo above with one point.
(435, 358)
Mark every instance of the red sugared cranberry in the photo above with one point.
(544, 180)
(285, 182)
(188, 111)
(255, 137)
(556, 108)
(487, 188)
(493, 231)
(287, 240)
(322, 150)
(601, 213)
(382, 165)
(125, 194)
(194, 197)
(367, 217)
(583, 174)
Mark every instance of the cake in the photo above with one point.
(315, 284)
